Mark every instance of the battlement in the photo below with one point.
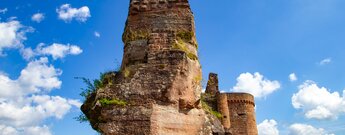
(240, 98)
(137, 6)
(242, 113)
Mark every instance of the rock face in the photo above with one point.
(158, 89)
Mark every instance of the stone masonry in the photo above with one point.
(237, 109)
(157, 91)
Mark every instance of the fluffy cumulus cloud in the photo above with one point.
(24, 102)
(325, 61)
(56, 50)
(293, 77)
(36, 77)
(268, 127)
(67, 13)
(12, 34)
(255, 84)
(38, 17)
(303, 129)
(318, 102)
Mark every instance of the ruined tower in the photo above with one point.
(212, 84)
(242, 113)
(157, 91)
(237, 109)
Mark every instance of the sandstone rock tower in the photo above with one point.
(158, 89)
(160, 76)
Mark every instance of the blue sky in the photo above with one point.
(253, 46)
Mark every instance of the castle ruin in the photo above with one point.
(157, 91)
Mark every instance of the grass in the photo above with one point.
(208, 109)
(117, 102)
(94, 85)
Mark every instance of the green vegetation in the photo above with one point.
(130, 35)
(208, 108)
(117, 102)
(187, 37)
(197, 79)
(93, 86)
(81, 118)
(181, 45)
(126, 72)
(192, 56)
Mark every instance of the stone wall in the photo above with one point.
(242, 113)
(223, 108)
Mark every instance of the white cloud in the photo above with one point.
(12, 34)
(67, 13)
(318, 102)
(303, 129)
(38, 17)
(24, 101)
(37, 130)
(255, 84)
(268, 127)
(325, 61)
(293, 77)
(36, 77)
(39, 76)
(43, 130)
(3, 11)
(6, 130)
(97, 34)
(56, 50)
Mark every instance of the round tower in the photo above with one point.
(223, 108)
(242, 113)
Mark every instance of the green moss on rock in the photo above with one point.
(181, 45)
(118, 102)
(130, 35)
(187, 36)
